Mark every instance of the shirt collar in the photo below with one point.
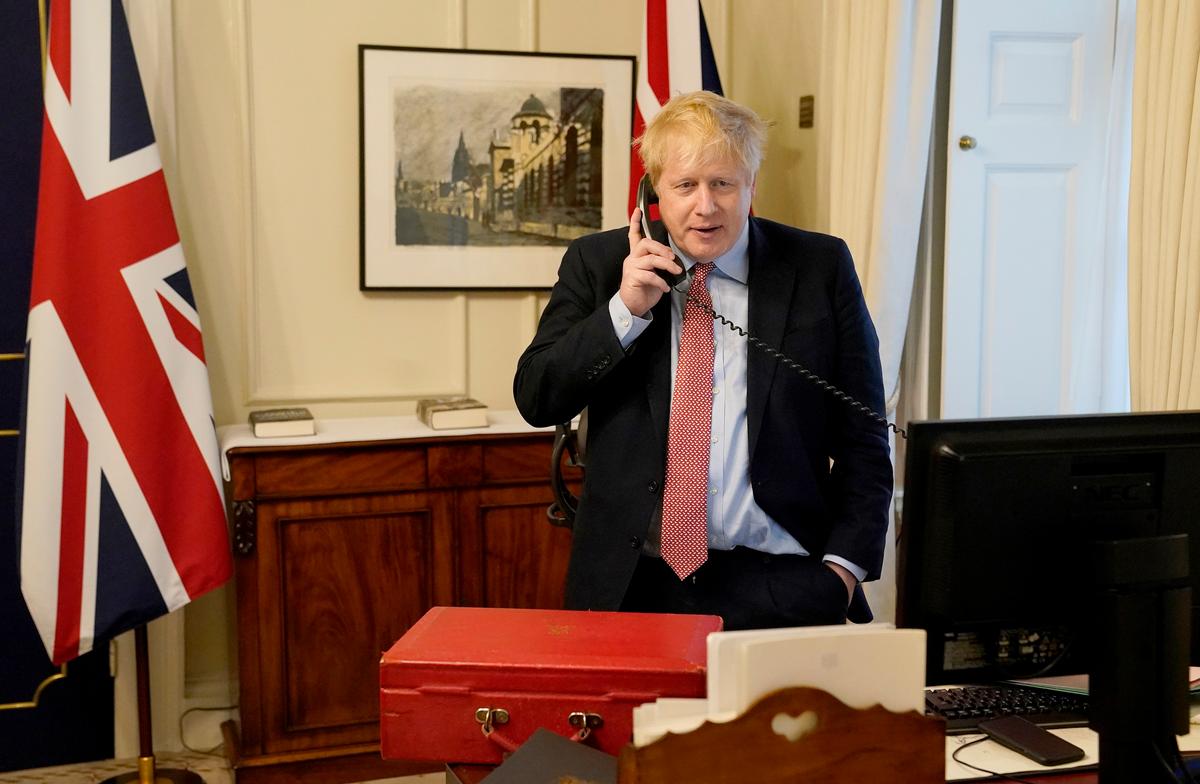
(733, 263)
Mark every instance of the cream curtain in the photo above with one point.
(878, 71)
(1164, 215)
(1100, 360)
(879, 63)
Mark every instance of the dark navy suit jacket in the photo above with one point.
(819, 469)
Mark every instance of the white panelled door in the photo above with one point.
(1029, 98)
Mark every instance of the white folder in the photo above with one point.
(736, 680)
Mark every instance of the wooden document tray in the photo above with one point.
(835, 744)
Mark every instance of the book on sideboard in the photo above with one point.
(446, 413)
(277, 422)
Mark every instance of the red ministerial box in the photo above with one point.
(467, 684)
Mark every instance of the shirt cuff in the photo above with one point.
(627, 326)
(859, 573)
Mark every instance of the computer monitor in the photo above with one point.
(995, 554)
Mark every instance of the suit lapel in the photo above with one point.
(657, 341)
(771, 281)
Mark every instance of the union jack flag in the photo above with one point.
(121, 511)
(677, 57)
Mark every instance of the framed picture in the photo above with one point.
(477, 168)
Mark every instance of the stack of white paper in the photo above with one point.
(668, 714)
(873, 664)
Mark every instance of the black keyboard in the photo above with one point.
(963, 707)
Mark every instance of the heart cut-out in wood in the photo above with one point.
(794, 727)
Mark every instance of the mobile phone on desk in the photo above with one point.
(654, 229)
(1028, 739)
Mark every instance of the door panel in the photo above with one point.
(1030, 88)
(1011, 341)
(524, 556)
(354, 583)
(346, 577)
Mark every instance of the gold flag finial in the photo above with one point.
(42, 35)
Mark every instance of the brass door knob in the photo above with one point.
(966, 142)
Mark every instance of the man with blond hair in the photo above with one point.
(770, 509)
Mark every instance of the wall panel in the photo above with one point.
(770, 77)
(311, 334)
(506, 25)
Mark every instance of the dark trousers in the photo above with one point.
(748, 589)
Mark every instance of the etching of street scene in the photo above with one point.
(483, 165)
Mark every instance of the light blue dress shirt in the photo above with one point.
(734, 518)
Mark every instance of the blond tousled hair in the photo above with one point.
(702, 127)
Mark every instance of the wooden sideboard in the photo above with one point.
(339, 548)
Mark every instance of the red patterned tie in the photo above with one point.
(685, 496)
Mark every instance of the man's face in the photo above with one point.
(704, 205)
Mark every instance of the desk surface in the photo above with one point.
(474, 774)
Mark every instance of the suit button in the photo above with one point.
(653, 486)
(635, 542)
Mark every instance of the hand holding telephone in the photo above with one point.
(653, 229)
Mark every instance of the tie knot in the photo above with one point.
(702, 271)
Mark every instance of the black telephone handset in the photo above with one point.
(656, 231)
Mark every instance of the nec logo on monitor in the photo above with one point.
(1114, 491)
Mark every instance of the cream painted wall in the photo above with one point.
(267, 201)
(770, 73)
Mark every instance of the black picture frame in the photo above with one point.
(478, 167)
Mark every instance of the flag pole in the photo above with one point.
(147, 772)
(42, 36)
